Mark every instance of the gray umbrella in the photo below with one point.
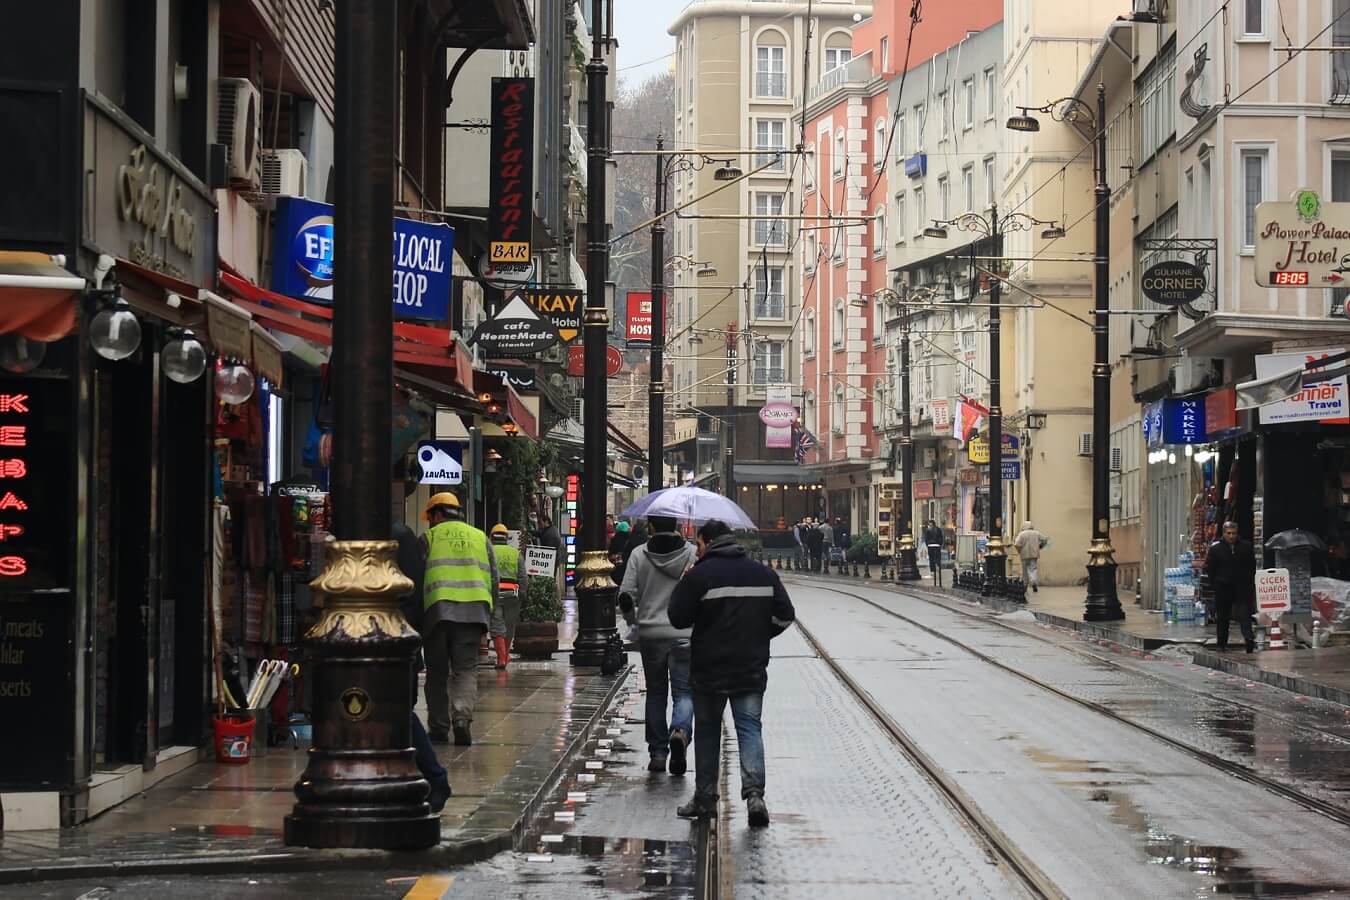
(1295, 539)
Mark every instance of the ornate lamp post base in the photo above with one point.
(995, 567)
(597, 596)
(909, 563)
(1103, 604)
(369, 793)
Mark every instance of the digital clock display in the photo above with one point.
(1289, 279)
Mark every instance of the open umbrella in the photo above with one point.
(1295, 539)
(691, 503)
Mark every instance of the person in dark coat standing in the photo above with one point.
(933, 538)
(1231, 567)
(735, 607)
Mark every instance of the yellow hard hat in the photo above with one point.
(445, 498)
(499, 529)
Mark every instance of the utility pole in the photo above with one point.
(656, 391)
(596, 592)
(995, 559)
(729, 420)
(909, 567)
(1103, 604)
(362, 787)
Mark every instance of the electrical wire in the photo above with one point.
(1293, 55)
(915, 17)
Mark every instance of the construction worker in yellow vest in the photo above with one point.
(506, 611)
(458, 594)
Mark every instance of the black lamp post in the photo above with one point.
(908, 567)
(1103, 603)
(596, 592)
(996, 557)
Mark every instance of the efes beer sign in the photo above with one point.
(304, 259)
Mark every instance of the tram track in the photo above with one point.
(1236, 770)
(996, 843)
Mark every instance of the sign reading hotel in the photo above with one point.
(563, 308)
(511, 178)
(1303, 242)
(639, 329)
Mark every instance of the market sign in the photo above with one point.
(1174, 420)
(639, 330)
(1303, 242)
(516, 331)
(1324, 402)
(1173, 282)
(562, 307)
(304, 261)
(511, 178)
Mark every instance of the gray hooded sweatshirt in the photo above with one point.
(653, 571)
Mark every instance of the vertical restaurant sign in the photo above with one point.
(639, 329)
(35, 519)
(778, 415)
(303, 262)
(511, 179)
(571, 498)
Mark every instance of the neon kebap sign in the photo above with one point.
(35, 533)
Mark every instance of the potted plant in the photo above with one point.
(540, 613)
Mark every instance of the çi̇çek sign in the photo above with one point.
(1302, 242)
(511, 179)
(303, 259)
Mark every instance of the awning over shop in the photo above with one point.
(171, 299)
(622, 481)
(771, 473)
(39, 296)
(625, 443)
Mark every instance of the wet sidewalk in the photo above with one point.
(1323, 673)
(530, 723)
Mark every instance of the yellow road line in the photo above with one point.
(430, 887)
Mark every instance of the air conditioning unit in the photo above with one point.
(578, 406)
(1117, 459)
(284, 172)
(929, 457)
(1085, 443)
(239, 128)
(1196, 374)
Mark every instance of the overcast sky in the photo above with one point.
(644, 46)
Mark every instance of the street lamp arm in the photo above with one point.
(1066, 109)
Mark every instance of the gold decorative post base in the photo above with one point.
(908, 555)
(362, 787)
(1103, 604)
(995, 566)
(597, 595)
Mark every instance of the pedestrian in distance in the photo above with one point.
(735, 606)
(458, 597)
(933, 539)
(842, 535)
(506, 611)
(827, 541)
(1030, 543)
(800, 548)
(653, 571)
(1231, 567)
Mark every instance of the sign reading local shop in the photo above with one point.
(639, 330)
(440, 462)
(1324, 402)
(516, 331)
(1302, 242)
(511, 178)
(1174, 420)
(303, 261)
(1173, 282)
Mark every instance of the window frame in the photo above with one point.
(968, 186)
(809, 334)
(1265, 151)
(990, 194)
(991, 94)
(898, 138)
(762, 374)
(1261, 34)
(839, 162)
(920, 206)
(778, 227)
(846, 52)
(879, 232)
(782, 145)
(968, 103)
(945, 131)
(840, 410)
(762, 72)
(900, 218)
(944, 186)
(761, 296)
(879, 143)
(837, 334)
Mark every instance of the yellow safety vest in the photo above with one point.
(458, 567)
(508, 566)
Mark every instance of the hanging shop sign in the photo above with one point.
(1174, 420)
(562, 307)
(511, 178)
(1173, 282)
(35, 443)
(576, 360)
(978, 450)
(522, 378)
(267, 356)
(1303, 242)
(639, 330)
(1325, 402)
(923, 490)
(778, 415)
(613, 360)
(303, 262)
(1012, 469)
(1221, 412)
(941, 411)
(540, 560)
(516, 331)
(440, 462)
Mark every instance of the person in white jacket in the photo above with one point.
(648, 582)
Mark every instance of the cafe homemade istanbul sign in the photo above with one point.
(517, 331)
(1303, 242)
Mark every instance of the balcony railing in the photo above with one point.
(769, 306)
(857, 70)
(770, 376)
(770, 84)
(1340, 77)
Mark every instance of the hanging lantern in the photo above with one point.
(115, 332)
(234, 383)
(183, 358)
(19, 354)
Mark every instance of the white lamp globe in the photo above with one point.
(115, 332)
(183, 358)
(234, 383)
(19, 354)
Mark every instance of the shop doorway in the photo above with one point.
(1169, 503)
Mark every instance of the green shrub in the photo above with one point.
(542, 603)
(750, 540)
(863, 548)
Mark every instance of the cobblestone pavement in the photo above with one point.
(1102, 808)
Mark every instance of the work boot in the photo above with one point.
(756, 811)
(698, 808)
(462, 736)
(503, 652)
(656, 764)
(679, 744)
(1251, 645)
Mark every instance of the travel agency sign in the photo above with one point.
(1303, 242)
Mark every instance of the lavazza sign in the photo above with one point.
(1303, 243)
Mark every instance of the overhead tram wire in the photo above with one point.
(915, 17)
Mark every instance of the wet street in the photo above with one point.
(927, 749)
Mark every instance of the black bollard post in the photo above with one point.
(867, 570)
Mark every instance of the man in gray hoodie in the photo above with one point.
(652, 573)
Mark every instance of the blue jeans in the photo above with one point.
(665, 660)
(745, 713)
(427, 763)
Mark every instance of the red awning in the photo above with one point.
(37, 296)
(520, 414)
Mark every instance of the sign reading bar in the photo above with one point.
(1302, 242)
(1173, 282)
(511, 178)
(639, 329)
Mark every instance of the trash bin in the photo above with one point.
(233, 738)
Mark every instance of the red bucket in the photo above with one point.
(234, 739)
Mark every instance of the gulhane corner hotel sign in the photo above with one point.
(1302, 242)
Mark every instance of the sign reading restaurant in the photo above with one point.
(1303, 242)
(511, 178)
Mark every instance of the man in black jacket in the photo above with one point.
(1231, 567)
(933, 538)
(735, 606)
